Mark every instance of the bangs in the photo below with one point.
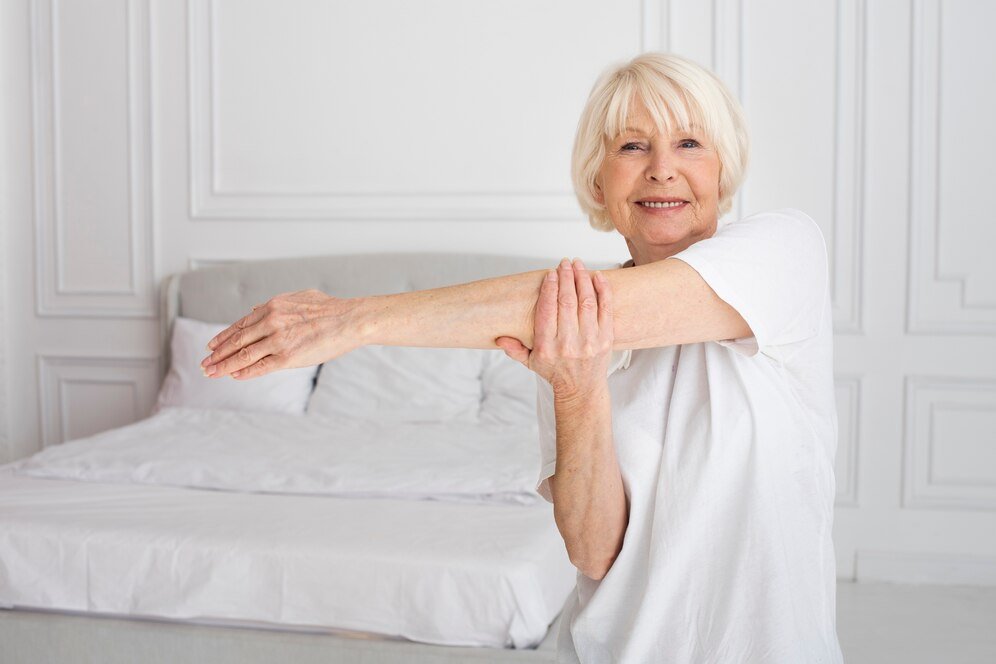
(671, 108)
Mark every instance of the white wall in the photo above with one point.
(142, 137)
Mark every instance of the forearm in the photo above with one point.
(659, 304)
(470, 315)
(590, 505)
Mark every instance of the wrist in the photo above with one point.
(581, 397)
(362, 322)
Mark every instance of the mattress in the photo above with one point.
(435, 566)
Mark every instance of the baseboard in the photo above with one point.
(925, 568)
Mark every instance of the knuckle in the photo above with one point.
(238, 338)
(588, 303)
(245, 355)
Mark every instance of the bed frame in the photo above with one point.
(223, 294)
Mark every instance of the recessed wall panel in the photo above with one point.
(327, 110)
(951, 272)
(92, 216)
(966, 144)
(963, 443)
(949, 455)
(82, 395)
(91, 157)
(90, 406)
(789, 96)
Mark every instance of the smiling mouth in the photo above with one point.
(661, 204)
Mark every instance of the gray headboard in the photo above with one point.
(225, 293)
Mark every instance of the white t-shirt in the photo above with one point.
(726, 451)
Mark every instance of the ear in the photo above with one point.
(597, 193)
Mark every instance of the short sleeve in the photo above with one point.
(772, 267)
(546, 418)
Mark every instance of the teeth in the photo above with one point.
(661, 205)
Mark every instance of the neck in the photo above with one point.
(643, 253)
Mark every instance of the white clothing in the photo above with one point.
(726, 451)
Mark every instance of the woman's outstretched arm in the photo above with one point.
(658, 304)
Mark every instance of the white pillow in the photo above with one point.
(394, 384)
(509, 391)
(284, 391)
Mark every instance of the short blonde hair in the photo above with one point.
(675, 91)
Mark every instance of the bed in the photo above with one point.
(333, 535)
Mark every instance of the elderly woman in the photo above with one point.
(687, 417)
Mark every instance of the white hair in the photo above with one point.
(678, 94)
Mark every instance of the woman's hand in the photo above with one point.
(290, 330)
(572, 342)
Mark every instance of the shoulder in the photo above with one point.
(782, 221)
(789, 233)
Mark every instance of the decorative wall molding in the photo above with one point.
(656, 28)
(56, 372)
(923, 486)
(936, 301)
(6, 442)
(729, 57)
(54, 297)
(921, 567)
(849, 167)
(730, 61)
(207, 202)
(201, 263)
(848, 393)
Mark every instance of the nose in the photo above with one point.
(661, 167)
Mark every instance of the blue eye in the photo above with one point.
(690, 140)
(627, 146)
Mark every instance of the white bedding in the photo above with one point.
(258, 552)
(278, 453)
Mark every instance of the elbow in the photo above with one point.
(594, 570)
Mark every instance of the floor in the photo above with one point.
(877, 623)
(881, 623)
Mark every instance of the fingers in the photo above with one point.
(257, 315)
(567, 302)
(243, 332)
(514, 349)
(261, 367)
(606, 303)
(545, 321)
(257, 353)
(587, 302)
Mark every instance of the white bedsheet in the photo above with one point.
(431, 571)
(279, 453)
(427, 532)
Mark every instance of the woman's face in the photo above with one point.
(642, 168)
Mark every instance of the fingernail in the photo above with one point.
(206, 361)
(551, 275)
(210, 371)
(235, 374)
(565, 262)
(212, 344)
(578, 263)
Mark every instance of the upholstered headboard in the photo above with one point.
(225, 293)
